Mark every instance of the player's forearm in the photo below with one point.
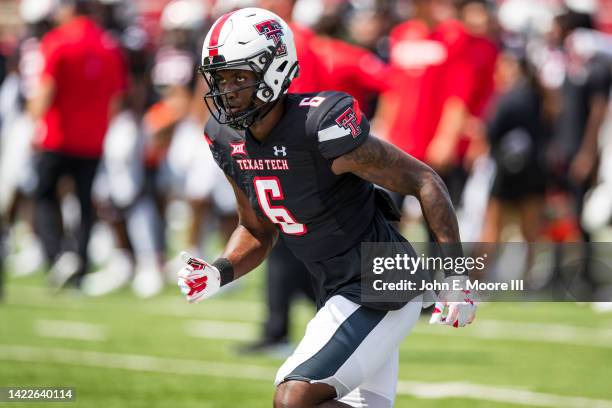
(385, 165)
(246, 250)
(438, 209)
(409, 176)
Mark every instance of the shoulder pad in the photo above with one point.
(337, 123)
(215, 132)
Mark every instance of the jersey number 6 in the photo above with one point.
(278, 215)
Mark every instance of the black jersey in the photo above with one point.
(288, 177)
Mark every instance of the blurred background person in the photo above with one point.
(119, 180)
(584, 93)
(78, 93)
(17, 131)
(518, 134)
(173, 80)
(597, 213)
(454, 90)
(349, 67)
(479, 21)
(442, 59)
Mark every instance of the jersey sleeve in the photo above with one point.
(213, 139)
(338, 124)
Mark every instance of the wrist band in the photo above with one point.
(226, 270)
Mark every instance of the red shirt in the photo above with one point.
(412, 51)
(485, 54)
(453, 74)
(311, 69)
(88, 71)
(351, 69)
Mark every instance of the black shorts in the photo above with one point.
(516, 187)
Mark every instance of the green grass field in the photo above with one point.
(119, 351)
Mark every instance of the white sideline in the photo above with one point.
(252, 372)
(67, 329)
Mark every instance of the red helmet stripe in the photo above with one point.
(214, 36)
(357, 111)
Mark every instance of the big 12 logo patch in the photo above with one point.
(273, 31)
(349, 119)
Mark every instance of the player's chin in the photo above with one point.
(238, 107)
(235, 111)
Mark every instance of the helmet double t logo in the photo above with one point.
(348, 120)
(273, 31)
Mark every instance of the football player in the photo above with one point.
(303, 167)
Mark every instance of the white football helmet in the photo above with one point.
(252, 39)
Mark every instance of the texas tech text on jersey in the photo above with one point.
(288, 177)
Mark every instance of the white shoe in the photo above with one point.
(148, 281)
(114, 276)
(66, 266)
(28, 260)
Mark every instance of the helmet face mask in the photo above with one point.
(255, 40)
(216, 100)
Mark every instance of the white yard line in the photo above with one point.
(38, 297)
(135, 362)
(214, 329)
(498, 394)
(252, 372)
(64, 329)
(532, 331)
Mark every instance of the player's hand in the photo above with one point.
(198, 279)
(454, 307)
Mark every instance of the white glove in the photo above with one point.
(454, 307)
(198, 279)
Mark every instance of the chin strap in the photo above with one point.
(260, 114)
(257, 115)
